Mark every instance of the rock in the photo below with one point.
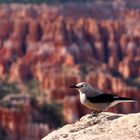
(107, 126)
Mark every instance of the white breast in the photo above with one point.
(83, 98)
(84, 101)
(93, 106)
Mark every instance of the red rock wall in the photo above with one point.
(62, 49)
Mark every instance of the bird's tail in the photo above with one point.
(123, 99)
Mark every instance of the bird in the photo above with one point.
(97, 100)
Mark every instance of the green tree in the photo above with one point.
(33, 88)
(8, 88)
(50, 114)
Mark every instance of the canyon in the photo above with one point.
(62, 45)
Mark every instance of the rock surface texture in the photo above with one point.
(107, 126)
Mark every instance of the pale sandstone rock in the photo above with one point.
(108, 126)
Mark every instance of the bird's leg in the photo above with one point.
(95, 113)
(92, 113)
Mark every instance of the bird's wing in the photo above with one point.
(91, 92)
(104, 98)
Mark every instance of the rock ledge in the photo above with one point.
(108, 126)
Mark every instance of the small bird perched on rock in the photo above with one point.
(97, 100)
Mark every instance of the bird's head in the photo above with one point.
(82, 86)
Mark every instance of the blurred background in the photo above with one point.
(48, 45)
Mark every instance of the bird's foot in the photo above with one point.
(95, 113)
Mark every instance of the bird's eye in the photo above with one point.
(81, 85)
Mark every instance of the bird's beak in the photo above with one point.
(74, 86)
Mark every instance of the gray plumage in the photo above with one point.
(97, 100)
